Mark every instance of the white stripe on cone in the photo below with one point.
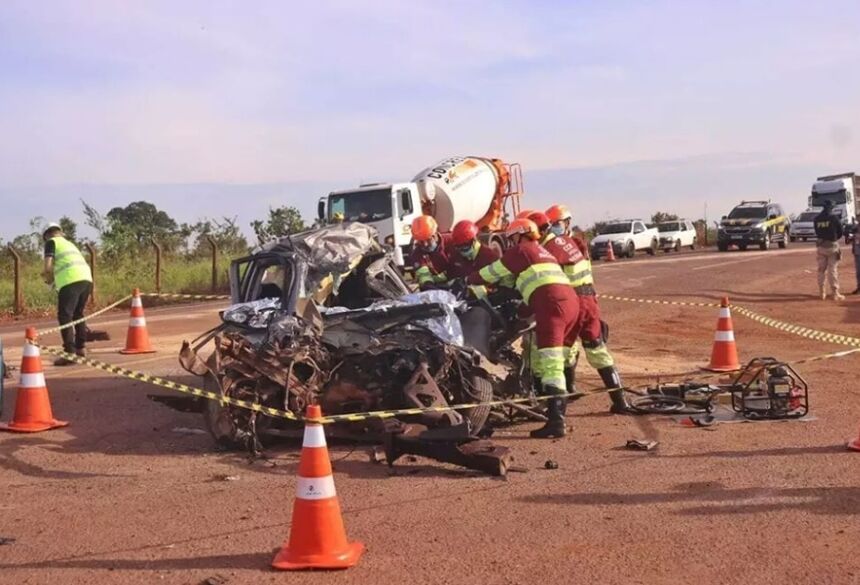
(136, 302)
(725, 313)
(32, 380)
(315, 488)
(724, 336)
(30, 350)
(314, 436)
(137, 322)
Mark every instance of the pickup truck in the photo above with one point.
(626, 236)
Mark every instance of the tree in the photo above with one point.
(282, 221)
(226, 234)
(126, 230)
(662, 216)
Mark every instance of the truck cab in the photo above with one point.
(388, 207)
(842, 191)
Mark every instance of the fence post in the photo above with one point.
(18, 301)
(214, 263)
(157, 247)
(91, 250)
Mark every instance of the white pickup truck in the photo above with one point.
(676, 234)
(626, 236)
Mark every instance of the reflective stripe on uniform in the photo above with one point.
(579, 274)
(494, 272)
(424, 275)
(599, 357)
(571, 355)
(552, 369)
(538, 275)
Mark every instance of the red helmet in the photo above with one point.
(540, 219)
(558, 213)
(424, 228)
(464, 232)
(524, 227)
(525, 213)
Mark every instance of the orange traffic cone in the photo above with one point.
(610, 253)
(137, 340)
(724, 355)
(855, 444)
(317, 537)
(32, 406)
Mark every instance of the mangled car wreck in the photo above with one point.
(325, 317)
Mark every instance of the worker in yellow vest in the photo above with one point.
(68, 271)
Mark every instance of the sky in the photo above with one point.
(618, 109)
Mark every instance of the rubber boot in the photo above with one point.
(570, 379)
(611, 379)
(554, 427)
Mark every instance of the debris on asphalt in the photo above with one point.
(550, 464)
(640, 445)
(6, 540)
(188, 431)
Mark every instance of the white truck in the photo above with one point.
(626, 236)
(676, 234)
(843, 190)
(483, 190)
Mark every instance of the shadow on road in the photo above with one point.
(708, 498)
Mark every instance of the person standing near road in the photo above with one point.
(66, 268)
(855, 249)
(828, 230)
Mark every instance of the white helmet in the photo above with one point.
(52, 225)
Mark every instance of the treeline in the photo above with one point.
(124, 232)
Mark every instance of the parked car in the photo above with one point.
(626, 236)
(803, 226)
(757, 223)
(677, 234)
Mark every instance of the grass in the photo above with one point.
(179, 275)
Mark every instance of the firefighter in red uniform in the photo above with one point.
(430, 253)
(545, 289)
(572, 254)
(468, 254)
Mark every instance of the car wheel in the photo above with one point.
(631, 250)
(653, 248)
(695, 242)
(783, 243)
(723, 247)
(677, 245)
(765, 245)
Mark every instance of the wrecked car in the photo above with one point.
(326, 317)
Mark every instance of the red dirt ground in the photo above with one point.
(120, 496)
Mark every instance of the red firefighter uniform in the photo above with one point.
(546, 290)
(459, 266)
(571, 254)
(431, 266)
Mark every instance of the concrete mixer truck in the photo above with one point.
(483, 190)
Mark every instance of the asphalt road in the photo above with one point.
(127, 494)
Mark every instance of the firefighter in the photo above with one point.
(67, 270)
(575, 263)
(828, 230)
(469, 254)
(430, 253)
(546, 292)
(560, 221)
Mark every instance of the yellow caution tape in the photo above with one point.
(657, 301)
(184, 296)
(85, 318)
(797, 329)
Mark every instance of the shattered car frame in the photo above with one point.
(326, 317)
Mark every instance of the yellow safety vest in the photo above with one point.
(69, 264)
(529, 280)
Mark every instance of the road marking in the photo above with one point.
(726, 263)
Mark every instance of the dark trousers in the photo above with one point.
(72, 301)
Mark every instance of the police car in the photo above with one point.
(754, 223)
